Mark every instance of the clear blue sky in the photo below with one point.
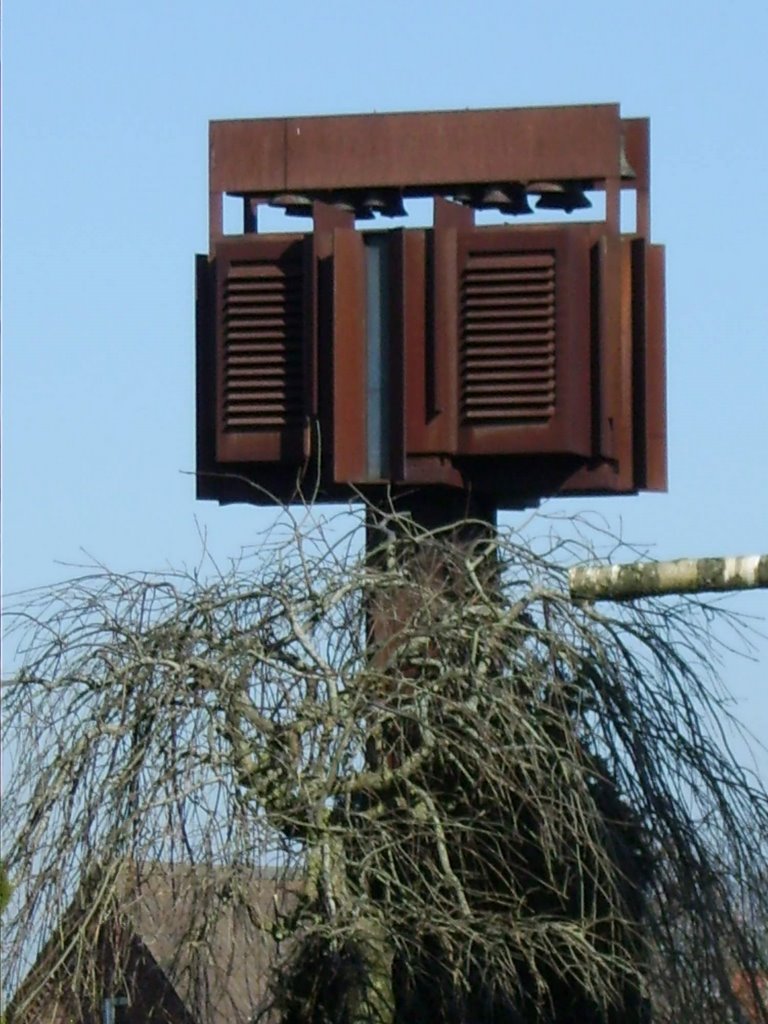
(105, 203)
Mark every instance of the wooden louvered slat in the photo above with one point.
(262, 345)
(263, 339)
(507, 339)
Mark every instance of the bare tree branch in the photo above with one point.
(515, 807)
(655, 579)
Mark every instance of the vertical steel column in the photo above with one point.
(454, 517)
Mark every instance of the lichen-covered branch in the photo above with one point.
(656, 579)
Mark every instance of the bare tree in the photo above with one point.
(505, 806)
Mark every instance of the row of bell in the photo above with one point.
(364, 205)
(510, 199)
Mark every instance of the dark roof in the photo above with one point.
(208, 929)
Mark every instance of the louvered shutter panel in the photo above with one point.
(524, 341)
(507, 354)
(263, 331)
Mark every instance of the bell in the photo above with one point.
(508, 199)
(363, 212)
(626, 169)
(518, 201)
(375, 201)
(492, 197)
(395, 206)
(566, 196)
(387, 203)
(294, 204)
(465, 196)
(351, 203)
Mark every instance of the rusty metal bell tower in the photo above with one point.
(502, 363)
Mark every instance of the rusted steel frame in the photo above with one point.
(433, 470)
(614, 405)
(349, 341)
(431, 340)
(402, 266)
(205, 372)
(640, 461)
(326, 219)
(615, 336)
(608, 268)
(654, 395)
(448, 214)
(417, 340)
(348, 355)
(415, 149)
(637, 150)
(215, 218)
(629, 339)
(432, 425)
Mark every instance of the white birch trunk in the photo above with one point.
(653, 579)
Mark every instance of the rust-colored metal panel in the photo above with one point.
(407, 275)
(637, 152)
(349, 421)
(640, 460)
(636, 135)
(614, 411)
(417, 349)
(611, 471)
(215, 218)
(437, 432)
(247, 155)
(453, 147)
(524, 352)
(261, 349)
(205, 372)
(607, 307)
(309, 343)
(326, 219)
(655, 374)
(432, 470)
(638, 258)
(626, 385)
(448, 214)
(602, 478)
(415, 149)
